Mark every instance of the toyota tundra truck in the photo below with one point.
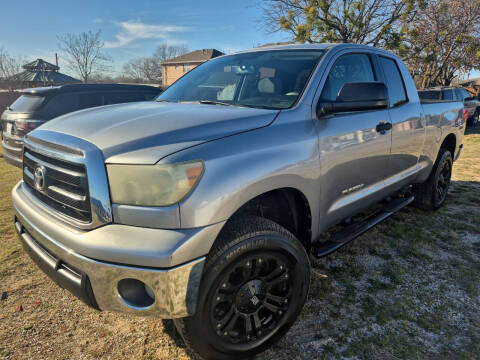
(205, 205)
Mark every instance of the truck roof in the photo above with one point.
(88, 87)
(322, 46)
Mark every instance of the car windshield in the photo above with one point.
(27, 103)
(263, 79)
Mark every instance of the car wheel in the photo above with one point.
(254, 285)
(431, 194)
(475, 118)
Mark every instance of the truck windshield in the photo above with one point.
(263, 79)
(27, 103)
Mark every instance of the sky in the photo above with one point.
(132, 28)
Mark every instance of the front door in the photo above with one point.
(353, 154)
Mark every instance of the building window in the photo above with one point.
(186, 68)
(176, 66)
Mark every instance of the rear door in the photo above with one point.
(353, 154)
(408, 130)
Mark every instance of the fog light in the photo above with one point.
(136, 293)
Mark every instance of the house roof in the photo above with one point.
(41, 71)
(40, 64)
(197, 56)
(44, 76)
(470, 82)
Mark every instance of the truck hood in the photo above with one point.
(145, 132)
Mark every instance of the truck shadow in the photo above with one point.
(170, 329)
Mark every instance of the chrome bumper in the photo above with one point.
(12, 155)
(94, 277)
(175, 289)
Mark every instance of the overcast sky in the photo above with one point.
(132, 28)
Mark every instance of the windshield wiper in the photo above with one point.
(211, 102)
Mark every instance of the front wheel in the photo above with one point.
(254, 285)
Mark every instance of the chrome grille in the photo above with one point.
(64, 187)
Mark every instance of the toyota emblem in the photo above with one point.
(39, 178)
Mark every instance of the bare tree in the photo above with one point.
(84, 53)
(372, 22)
(149, 69)
(9, 67)
(145, 69)
(443, 41)
(165, 51)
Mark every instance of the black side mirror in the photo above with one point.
(356, 96)
(470, 98)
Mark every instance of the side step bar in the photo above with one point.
(350, 232)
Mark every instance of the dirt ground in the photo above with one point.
(407, 289)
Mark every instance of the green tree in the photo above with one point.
(371, 22)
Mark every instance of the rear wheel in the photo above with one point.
(431, 194)
(254, 286)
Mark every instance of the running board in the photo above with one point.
(350, 232)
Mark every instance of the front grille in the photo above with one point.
(65, 186)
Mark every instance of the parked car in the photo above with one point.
(38, 105)
(454, 94)
(205, 205)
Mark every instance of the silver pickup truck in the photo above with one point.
(205, 205)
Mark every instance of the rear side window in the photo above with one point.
(429, 95)
(462, 94)
(123, 97)
(62, 104)
(90, 100)
(27, 103)
(396, 88)
(348, 68)
(448, 94)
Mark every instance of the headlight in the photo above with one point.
(153, 185)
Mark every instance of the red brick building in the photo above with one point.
(174, 68)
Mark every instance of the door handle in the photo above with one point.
(382, 127)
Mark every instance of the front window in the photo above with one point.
(448, 95)
(264, 79)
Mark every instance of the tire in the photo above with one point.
(475, 118)
(254, 285)
(431, 194)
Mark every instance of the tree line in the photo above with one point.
(437, 39)
(84, 55)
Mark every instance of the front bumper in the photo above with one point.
(95, 277)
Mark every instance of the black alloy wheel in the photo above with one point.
(254, 284)
(252, 298)
(443, 180)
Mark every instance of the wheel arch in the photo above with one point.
(449, 143)
(287, 206)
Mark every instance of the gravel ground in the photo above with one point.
(407, 289)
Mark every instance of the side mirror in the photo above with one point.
(470, 98)
(356, 96)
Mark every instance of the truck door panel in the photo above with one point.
(408, 129)
(353, 155)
